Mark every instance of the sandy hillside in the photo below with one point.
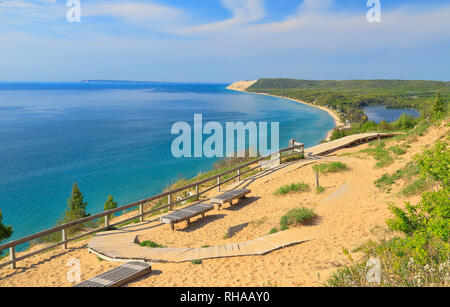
(241, 85)
(351, 211)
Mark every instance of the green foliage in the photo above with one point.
(151, 244)
(380, 154)
(332, 167)
(435, 163)
(417, 187)
(297, 216)
(273, 231)
(76, 209)
(349, 96)
(293, 187)
(421, 257)
(196, 261)
(407, 173)
(110, 204)
(5, 231)
(320, 190)
(438, 107)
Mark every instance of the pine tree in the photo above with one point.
(110, 204)
(439, 107)
(5, 231)
(76, 206)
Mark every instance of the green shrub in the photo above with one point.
(320, 190)
(197, 261)
(151, 244)
(398, 150)
(5, 231)
(273, 230)
(294, 187)
(297, 216)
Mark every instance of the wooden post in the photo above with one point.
(169, 202)
(317, 179)
(12, 256)
(218, 184)
(239, 175)
(141, 212)
(379, 139)
(197, 191)
(64, 238)
(107, 220)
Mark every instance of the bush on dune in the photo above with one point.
(421, 256)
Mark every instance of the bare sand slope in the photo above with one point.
(241, 86)
(351, 211)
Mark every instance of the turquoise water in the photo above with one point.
(380, 113)
(114, 138)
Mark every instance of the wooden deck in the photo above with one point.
(348, 141)
(118, 276)
(120, 246)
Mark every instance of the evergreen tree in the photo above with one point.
(110, 204)
(439, 107)
(76, 206)
(5, 231)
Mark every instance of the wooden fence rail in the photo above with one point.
(140, 205)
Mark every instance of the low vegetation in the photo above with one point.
(420, 255)
(407, 173)
(151, 244)
(5, 231)
(332, 167)
(293, 188)
(320, 190)
(348, 97)
(297, 216)
(196, 261)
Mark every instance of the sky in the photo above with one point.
(223, 40)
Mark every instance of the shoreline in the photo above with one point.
(337, 120)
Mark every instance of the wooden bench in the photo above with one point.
(229, 196)
(186, 214)
(118, 276)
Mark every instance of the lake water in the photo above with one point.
(115, 138)
(380, 113)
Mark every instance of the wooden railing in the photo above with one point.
(294, 150)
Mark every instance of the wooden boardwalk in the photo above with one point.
(121, 246)
(348, 141)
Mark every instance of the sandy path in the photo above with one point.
(351, 210)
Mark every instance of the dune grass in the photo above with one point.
(293, 188)
(151, 244)
(332, 167)
(297, 216)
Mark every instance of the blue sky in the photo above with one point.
(223, 40)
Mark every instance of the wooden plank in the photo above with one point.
(118, 276)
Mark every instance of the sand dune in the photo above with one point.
(351, 211)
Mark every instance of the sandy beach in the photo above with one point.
(242, 86)
(351, 211)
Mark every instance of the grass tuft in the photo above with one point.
(151, 244)
(293, 187)
(297, 216)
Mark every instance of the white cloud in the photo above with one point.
(243, 11)
(134, 11)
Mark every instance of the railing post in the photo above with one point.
(107, 220)
(218, 184)
(64, 238)
(379, 139)
(239, 175)
(169, 202)
(197, 191)
(141, 212)
(12, 256)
